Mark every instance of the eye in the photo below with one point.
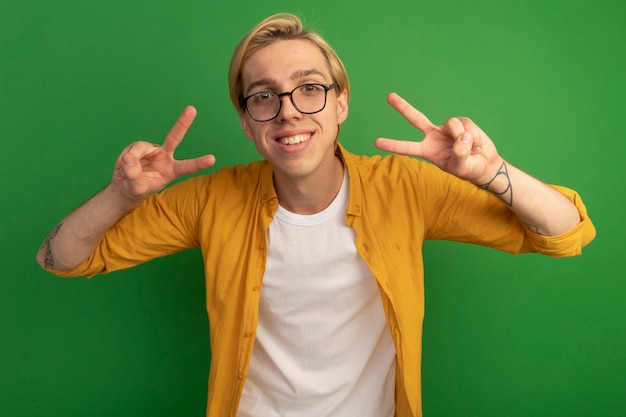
(263, 97)
(310, 89)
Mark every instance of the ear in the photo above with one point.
(342, 106)
(245, 126)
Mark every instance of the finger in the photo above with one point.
(178, 131)
(453, 127)
(410, 113)
(133, 153)
(477, 136)
(403, 147)
(128, 166)
(141, 149)
(138, 149)
(462, 146)
(190, 166)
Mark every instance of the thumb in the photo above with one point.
(463, 145)
(461, 152)
(130, 167)
(128, 160)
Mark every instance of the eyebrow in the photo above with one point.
(294, 76)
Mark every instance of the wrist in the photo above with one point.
(117, 201)
(500, 184)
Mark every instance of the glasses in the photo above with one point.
(306, 98)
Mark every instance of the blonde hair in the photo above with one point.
(282, 26)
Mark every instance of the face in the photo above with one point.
(298, 145)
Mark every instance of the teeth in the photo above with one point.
(292, 140)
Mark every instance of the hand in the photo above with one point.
(144, 168)
(458, 146)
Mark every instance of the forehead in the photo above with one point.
(284, 61)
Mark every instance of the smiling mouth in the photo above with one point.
(293, 140)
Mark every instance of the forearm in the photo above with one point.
(80, 232)
(541, 207)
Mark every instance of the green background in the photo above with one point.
(504, 335)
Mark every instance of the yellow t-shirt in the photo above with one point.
(395, 204)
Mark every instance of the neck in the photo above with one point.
(310, 194)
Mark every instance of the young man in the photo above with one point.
(313, 262)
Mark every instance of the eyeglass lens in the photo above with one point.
(306, 98)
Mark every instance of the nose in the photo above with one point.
(287, 108)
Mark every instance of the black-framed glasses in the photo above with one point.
(306, 98)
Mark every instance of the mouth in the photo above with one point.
(294, 140)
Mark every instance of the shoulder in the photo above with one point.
(391, 166)
(241, 175)
(384, 176)
(238, 179)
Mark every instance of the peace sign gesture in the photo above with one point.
(144, 168)
(458, 146)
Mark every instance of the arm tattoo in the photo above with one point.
(507, 194)
(49, 260)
